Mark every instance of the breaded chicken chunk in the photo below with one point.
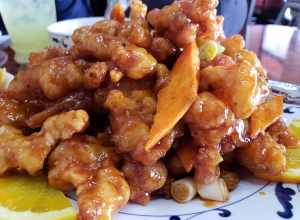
(28, 153)
(82, 162)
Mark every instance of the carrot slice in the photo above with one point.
(174, 100)
(186, 153)
(265, 115)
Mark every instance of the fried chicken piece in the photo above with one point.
(233, 44)
(19, 152)
(231, 179)
(263, 155)
(89, 44)
(75, 160)
(36, 58)
(128, 122)
(73, 101)
(12, 111)
(58, 77)
(139, 29)
(214, 142)
(238, 137)
(135, 30)
(143, 180)
(209, 120)
(203, 13)
(162, 48)
(158, 151)
(235, 48)
(82, 162)
(184, 21)
(115, 75)
(53, 79)
(207, 165)
(242, 98)
(175, 166)
(281, 134)
(165, 190)
(94, 76)
(16, 113)
(207, 112)
(219, 60)
(103, 195)
(172, 23)
(134, 61)
(130, 118)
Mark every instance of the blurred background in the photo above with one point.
(271, 28)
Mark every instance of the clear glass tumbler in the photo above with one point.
(27, 21)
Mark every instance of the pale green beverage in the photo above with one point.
(27, 22)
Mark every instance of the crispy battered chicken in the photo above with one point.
(36, 58)
(263, 155)
(143, 180)
(131, 118)
(242, 98)
(209, 120)
(134, 61)
(94, 76)
(281, 134)
(12, 111)
(53, 79)
(76, 100)
(82, 162)
(183, 22)
(19, 152)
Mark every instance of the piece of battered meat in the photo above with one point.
(162, 48)
(36, 58)
(208, 112)
(184, 21)
(103, 195)
(172, 23)
(209, 120)
(94, 76)
(131, 117)
(134, 61)
(82, 162)
(137, 30)
(281, 134)
(143, 180)
(12, 111)
(75, 160)
(130, 126)
(52, 78)
(263, 155)
(19, 152)
(242, 98)
(76, 100)
(207, 165)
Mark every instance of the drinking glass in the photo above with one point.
(26, 22)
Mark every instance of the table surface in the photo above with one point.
(278, 48)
